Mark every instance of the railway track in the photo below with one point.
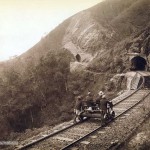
(121, 109)
(71, 134)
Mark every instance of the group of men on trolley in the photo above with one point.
(90, 104)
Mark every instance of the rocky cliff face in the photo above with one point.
(140, 43)
(103, 32)
(84, 32)
(98, 34)
(84, 36)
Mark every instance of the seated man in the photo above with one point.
(99, 97)
(89, 101)
(109, 106)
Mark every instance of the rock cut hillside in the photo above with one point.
(94, 33)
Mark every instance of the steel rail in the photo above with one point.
(71, 144)
(68, 127)
(43, 138)
(33, 142)
(100, 127)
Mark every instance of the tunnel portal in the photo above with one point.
(138, 63)
(78, 57)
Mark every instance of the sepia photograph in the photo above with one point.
(74, 75)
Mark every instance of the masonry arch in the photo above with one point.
(138, 63)
(78, 58)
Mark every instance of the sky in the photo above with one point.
(24, 22)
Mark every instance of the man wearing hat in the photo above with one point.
(99, 97)
(105, 105)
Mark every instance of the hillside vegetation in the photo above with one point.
(37, 88)
(26, 98)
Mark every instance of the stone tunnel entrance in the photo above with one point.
(78, 57)
(138, 63)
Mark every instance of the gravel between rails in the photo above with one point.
(46, 144)
(58, 127)
(117, 131)
(55, 144)
(114, 101)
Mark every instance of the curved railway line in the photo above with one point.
(70, 134)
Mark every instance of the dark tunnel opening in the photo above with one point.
(138, 63)
(78, 57)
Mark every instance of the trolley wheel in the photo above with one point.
(77, 119)
(113, 115)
